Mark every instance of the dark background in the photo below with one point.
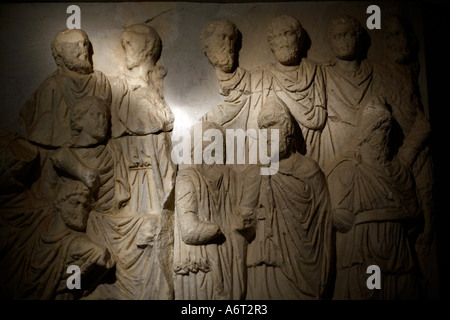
(436, 30)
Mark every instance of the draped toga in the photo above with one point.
(45, 117)
(347, 94)
(291, 254)
(138, 233)
(215, 269)
(381, 202)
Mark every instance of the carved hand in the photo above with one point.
(148, 231)
(312, 117)
(103, 257)
(241, 222)
(197, 232)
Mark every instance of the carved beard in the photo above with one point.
(80, 66)
(287, 55)
(222, 59)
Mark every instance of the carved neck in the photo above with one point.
(348, 65)
(140, 75)
(224, 75)
(283, 67)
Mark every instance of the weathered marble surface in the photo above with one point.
(87, 176)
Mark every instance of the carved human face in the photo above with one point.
(344, 41)
(221, 47)
(284, 142)
(74, 52)
(95, 123)
(396, 42)
(284, 41)
(137, 49)
(75, 211)
(285, 139)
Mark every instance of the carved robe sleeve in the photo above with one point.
(139, 111)
(44, 114)
(248, 202)
(340, 184)
(65, 159)
(193, 230)
(233, 111)
(310, 110)
(414, 140)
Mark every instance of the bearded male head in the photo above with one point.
(218, 38)
(70, 49)
(284, 34)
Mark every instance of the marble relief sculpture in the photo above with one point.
(44, 218)
(141, 119)
(219, 39)
(349, 86)
(42, 240)
(290, 254)
(140, 234)
(374, 210)
(90, 181)
(208, 251)
(92, 157)
(45, 117)
(398, 81)
(294, 79)
(335, 95)
(39, 244)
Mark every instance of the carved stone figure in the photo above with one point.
(397, 79)
(374, 207)
(45, 116)
(290, 253)
(140, 236)
(44, 221)
(348, 82)
(39, 244)
(90, 181)
(142, 121)
(295, 80)
(92, 159)
(401, 67)
(219, 38)
(208, 252)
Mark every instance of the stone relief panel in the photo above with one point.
(140, 124)
(89, 176)
(376, 219)
(291, 253)
(208, 251)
